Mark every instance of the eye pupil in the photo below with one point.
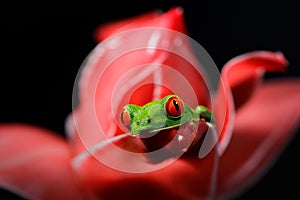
(174, 107)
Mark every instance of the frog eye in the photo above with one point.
(174, 107)
(125, 118)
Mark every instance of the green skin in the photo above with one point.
(153, 116)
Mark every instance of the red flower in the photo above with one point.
(38, 165)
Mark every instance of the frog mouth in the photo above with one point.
(148, 133)
(164, 128)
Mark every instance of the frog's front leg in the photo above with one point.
(205, 114)
(189, 134)
(174, 142)
(185, 137)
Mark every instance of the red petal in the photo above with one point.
(108, 29)
(171, 19)
(113, 76)
(192, 178)
(244, 72)
(35, 163)
(263, 127)
(255, 143)
(240, 77)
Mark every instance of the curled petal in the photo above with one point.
(263, 127)
(240, 77)
(35, 163)
(245, 72)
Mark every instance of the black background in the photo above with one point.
(42, 49)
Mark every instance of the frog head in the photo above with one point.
(153, 116)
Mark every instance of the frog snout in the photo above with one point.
(144, 122)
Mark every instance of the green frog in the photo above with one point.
(166, 113)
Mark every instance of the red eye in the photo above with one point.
(125, 118)
(174, 107)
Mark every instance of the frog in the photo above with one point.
(166, 113)
(161, 116)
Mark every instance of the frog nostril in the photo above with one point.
(149, 120)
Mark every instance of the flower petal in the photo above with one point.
(263, 127)
(192, 177)
(240, 77)
(35, 163)
(124, 69)
(99, 178)
(171, 19)
(256, 142)
(244, 72)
